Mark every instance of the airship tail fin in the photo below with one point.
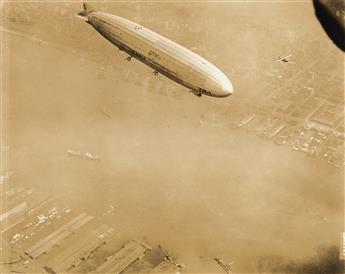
(87, 9)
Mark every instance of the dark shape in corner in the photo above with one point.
(331, 16)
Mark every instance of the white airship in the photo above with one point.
(163, 55)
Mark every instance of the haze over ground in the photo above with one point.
(177, 172)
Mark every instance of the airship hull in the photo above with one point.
(163, 55)
(144, 59)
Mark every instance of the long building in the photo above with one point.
(13, 216)
(123, 258)
(44, 245)
(75, 255)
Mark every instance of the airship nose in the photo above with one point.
(220, 88)
(226, 88)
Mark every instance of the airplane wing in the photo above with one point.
(284, 59)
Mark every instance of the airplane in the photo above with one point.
(159, 53)
(284, 59)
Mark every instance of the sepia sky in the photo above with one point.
(176, 169)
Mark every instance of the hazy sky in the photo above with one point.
(177, 171)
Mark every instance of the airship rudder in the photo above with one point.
(87, 9)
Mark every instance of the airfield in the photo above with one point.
(185, 173)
